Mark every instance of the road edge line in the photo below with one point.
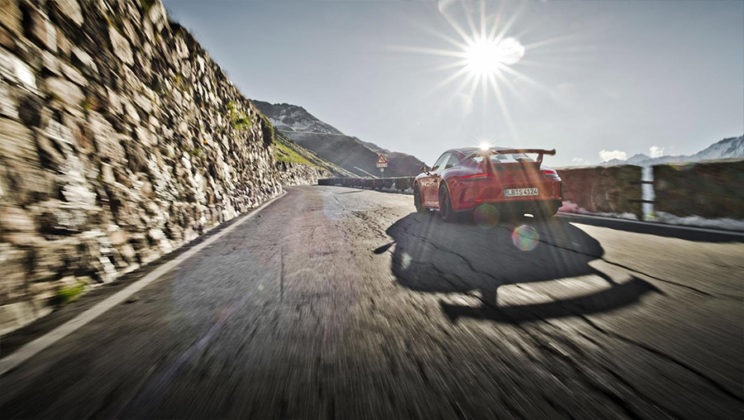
(35, 346)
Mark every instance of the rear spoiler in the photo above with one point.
(550, 152)
(540, 152)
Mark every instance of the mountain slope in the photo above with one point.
(288, 151)
(330, 144)
(728, 148)
(732, 147)
(286, 117)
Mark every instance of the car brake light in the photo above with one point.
(475, 177)
(551, 173)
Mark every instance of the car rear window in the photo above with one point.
(512, 158)
(474, 161)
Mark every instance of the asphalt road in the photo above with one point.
(342, 303)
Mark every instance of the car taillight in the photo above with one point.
(475, 177)
(551, 173)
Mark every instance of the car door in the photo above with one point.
(430, 191)
(452, 163)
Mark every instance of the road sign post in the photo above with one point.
(381, 163)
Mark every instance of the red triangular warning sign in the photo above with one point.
(381, 159)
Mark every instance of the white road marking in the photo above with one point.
(30, 349)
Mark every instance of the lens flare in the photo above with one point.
(486, 215)
(525, 237)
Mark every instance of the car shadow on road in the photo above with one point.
(465, 258)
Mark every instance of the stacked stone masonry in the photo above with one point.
(713, 189)
(604, 189)
(120, 140)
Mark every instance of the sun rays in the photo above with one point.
(488, 56)
(483, 55)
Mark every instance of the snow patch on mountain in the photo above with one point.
(288, 117)
(728, 148)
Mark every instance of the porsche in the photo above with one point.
(505, 180)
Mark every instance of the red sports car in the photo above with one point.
(506, 180)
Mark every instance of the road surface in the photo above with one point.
(342, 303)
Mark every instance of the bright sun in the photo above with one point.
(488, 56)
(483, 55)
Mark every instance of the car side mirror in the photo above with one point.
(425, 169)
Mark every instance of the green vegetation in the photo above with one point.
(285, 154)
(69, 293)
(112, 23)
(178, 82)
(238, 119)
(195, 151)
(267, 129)
(288, 151)
(87, 105)
(146, 5)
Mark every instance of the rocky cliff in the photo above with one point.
(120, 140)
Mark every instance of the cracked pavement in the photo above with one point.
(341, 303)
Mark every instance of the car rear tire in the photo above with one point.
(547, 211)
(417, 200)
(445, 204)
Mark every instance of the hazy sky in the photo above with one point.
(598, 76)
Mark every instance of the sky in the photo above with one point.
(595, 80)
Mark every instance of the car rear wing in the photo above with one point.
(540, 152)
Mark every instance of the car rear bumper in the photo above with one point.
(467, 196)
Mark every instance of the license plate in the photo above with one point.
(520, 192)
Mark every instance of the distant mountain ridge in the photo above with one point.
(287, 117)
(728, 148)
(329, 143)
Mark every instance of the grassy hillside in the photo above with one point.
(288, 151)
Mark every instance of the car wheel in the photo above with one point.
(445, 204)
(546, 211)
(417, 200)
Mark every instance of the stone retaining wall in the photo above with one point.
(604, 189)
(299, 174)
(120, 140)
(708, 189)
